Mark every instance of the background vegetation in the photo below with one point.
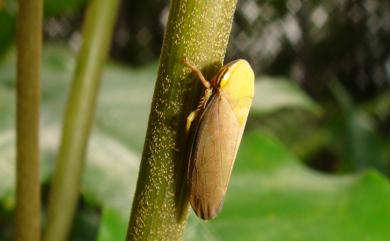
(314, 162)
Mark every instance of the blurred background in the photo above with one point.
(315, 160)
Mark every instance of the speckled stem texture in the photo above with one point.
(29, 44)
(199, 31)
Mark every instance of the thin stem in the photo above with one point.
(29, 44)
(197, 31)
(98, 27)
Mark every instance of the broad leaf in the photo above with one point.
(273, 197)
(273, 94)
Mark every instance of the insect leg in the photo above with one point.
(197, 72)
(190, 118)
(201, 106)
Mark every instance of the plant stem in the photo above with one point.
(198, 31)
(29, 44)
(98, 26)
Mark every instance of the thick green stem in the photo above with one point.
(29, 44)
(98, 26)
(198, 31)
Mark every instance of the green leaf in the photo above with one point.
(85, 225)
(113, 157)
(273, 197)
(58, 7)
(355, 135)
(272, 94)
(124, 103)
(111, 173)
(358, 142)
(112, 226)
(7, 30)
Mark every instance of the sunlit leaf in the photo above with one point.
(273, 197)
(272, 94)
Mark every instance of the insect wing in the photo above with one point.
(212, 156)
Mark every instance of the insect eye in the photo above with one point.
(224, 80)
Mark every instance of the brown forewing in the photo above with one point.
(216, 140)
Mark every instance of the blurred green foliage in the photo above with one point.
(322, 102)
(60, 7)
(7, 28)
(272, 195)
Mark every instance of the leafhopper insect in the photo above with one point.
(216, 129)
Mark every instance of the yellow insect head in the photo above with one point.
(236, 84)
